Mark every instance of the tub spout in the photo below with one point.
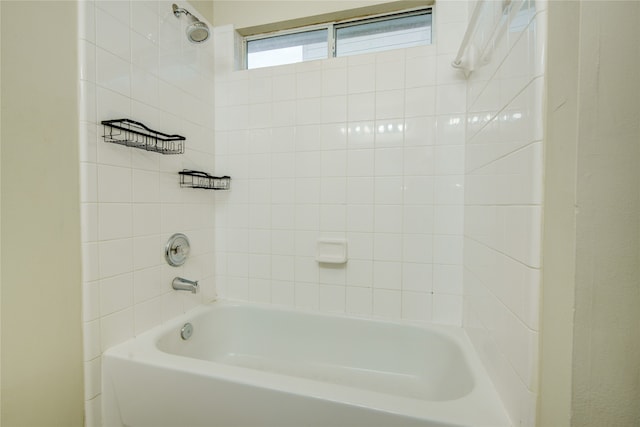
(180, 284)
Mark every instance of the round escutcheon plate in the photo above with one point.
(177, 249)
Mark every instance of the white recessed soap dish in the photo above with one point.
(331, 251)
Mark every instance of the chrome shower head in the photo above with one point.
(197, 31)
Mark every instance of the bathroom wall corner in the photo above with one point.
(559, 235)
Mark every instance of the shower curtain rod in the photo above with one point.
(481, 55)
(475, 17)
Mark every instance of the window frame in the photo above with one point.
(332, 27)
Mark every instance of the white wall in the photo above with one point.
(503, 209)
(606, 339)
(369, 148)
(202, 9)
(590, 362)
(135, 62)
(41, 272)
(251, 13)
(0, 215)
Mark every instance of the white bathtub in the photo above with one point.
(250, 365)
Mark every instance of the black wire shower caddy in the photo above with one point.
(198, 179)
(135, 134)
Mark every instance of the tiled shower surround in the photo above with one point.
(135, 62)
(434, 181)
(503, 208)
(369, 148)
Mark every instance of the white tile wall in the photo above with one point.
(135, 63)
(503, 214)
(366, 148)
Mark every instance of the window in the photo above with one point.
(399, 30)
(287, 49)
(383, 34)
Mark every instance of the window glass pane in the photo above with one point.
(287, 49)
(392, 33)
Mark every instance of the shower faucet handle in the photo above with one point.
(181, 250)
(177, 249)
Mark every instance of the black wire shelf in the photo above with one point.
(135, 134)
(197, 179)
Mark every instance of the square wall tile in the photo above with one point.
(359, 301)
(112, 28)
(361, 77)
(387, 275)
(332, 299)
(116, 293)
(387, 303)
(115, 257)
(417, 306)
(307, 295)
(116, 328)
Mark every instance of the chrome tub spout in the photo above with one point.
(180, 284)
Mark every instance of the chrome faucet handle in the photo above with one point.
(181, 250)
(177, 249)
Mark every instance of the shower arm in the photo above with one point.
(178, 10)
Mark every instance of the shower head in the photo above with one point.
(197, 31)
